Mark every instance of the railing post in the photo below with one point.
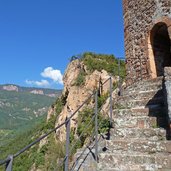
(111, 102)
(9, 164)
(119, 82)
(67, 144)
(96, 128)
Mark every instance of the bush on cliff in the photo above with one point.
(99, 62)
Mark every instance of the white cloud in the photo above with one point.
(53, 74)
(42, 83)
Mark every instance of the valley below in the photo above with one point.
(22, 109)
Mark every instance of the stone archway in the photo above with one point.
(159, 49)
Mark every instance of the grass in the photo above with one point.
(45, 157)
(99, 62)
(80, 80)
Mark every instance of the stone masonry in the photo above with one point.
(168, 90)
(138, 139)
(147, 38)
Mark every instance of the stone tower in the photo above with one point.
(147, 27)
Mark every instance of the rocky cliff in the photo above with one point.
(81, 78)
(79, 84)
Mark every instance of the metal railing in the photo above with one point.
(119, 75)
(8, 162)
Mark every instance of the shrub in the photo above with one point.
(85, 129)
(101, 61)
(80, 80)
(102, 99)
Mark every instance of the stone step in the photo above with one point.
(84, 160)
(153, 84)
(107, 160)
(130, 167)
(153, 111)
(141, 95)
(130, 146)
(135, 122)
(86, 164)
(124, 104)
(153, 134)
(142, 89)
(147, 82)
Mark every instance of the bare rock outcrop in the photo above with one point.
(40, 92)
(75, 95)
(10, 88)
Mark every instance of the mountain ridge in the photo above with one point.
(34, 90)
(22, 108)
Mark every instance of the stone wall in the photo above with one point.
(140, 16)
(167, 74)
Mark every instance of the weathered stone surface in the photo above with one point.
(155, 111)
(138, 103)
(135, 122)
(10, 88)
(141, 95)
(144, 86)
(168, 89)
(37, 92)
(76, 95)
(151, 134)
(135, 142)
(137, 146)
(140, 19)
(160, 161)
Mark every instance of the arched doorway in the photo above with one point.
(160, 55)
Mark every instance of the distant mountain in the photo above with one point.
(22, 108)
(33, 90)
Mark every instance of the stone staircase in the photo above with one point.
(137, 141)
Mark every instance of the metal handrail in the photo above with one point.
(119, 69)
(9, 160)
(91, 138)
(96, 128)
(31, 144)
(78, 138)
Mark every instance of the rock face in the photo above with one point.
(37, 92)
(147, 38)
(138, 138)
(76, 95)
(10, 88)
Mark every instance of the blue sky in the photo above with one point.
(37, 37)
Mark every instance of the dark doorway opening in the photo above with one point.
(161, 45)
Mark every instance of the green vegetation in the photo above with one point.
(99, 62)
(80, 80)
(58, 105)
(120, 106)
(86, 128)
(45, 157)
(102, 99)
(20, 111)
(49, 156)
(51, 153)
